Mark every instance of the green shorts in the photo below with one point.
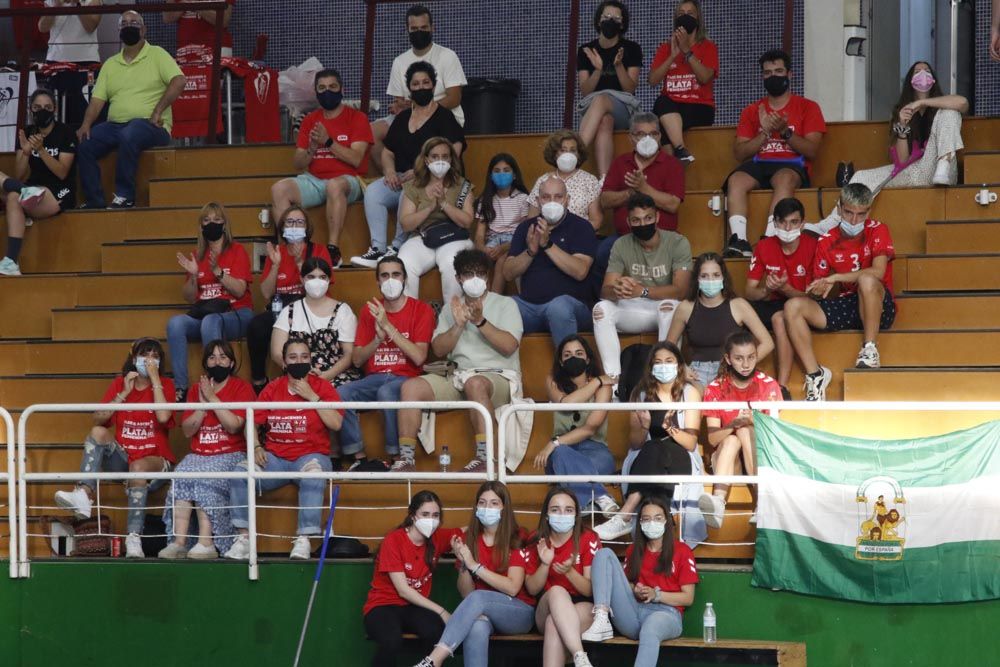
(444, 389)
(313, 190)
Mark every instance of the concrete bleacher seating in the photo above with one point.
(99, 279)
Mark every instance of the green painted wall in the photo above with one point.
(159, 614)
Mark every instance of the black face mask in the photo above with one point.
(644, 232)
(130, 35)
(330, 99)
(574, 366)
(298, 371)
(776, 86)
(610, 29)
(43, 117)
(420, 39)
(213, 231)
(422, 97)
(741, 376)
(686, 21)
(218, 373)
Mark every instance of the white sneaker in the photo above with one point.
(173, 551)
(133, 546)
(608, 505)
(942, 173)
(9, 267)
(825, 225)
(815, 385)
(868, 356)
(240, 549)
(31, 195)
(301, 549)
(714, 509)
(201, 552)
(76, 500)
(581, 660)
(369, 259)
(600, 629)
(614, 528)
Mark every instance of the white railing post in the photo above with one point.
(251, 438)
(502, 418)
(23, 566)
(8, 477)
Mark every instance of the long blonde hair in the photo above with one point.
(701, 34)
(422, 175)
(227, 234)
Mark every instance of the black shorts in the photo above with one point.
(764, 170)
(844, 312)
(766, 309)
(692, 115)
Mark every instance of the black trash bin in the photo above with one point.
(489, 105)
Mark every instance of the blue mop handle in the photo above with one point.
(326, 535)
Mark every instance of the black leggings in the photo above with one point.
(692, 115)
(386, 625)
(259, 343)
(659, 457)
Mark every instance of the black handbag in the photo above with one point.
(438, 234)
(209, 307)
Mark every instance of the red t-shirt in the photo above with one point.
(762, 387)
(399, 554)
(516, 559)
(234, 261)
(665, 174)
(295, 433)
(804, 117)
(289, 281)
(348, 127)
(590, 543)
(415, 322)
(138, 431)
(682, 572)
(212, 438)
(836, 254)
(680, 83)
(769, 258)
(192, 30)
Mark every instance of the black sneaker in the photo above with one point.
(180, 395)
(121, 202)
(785, 394)
(738, 247)
(369, 259)
(683, 155)
(336, 259)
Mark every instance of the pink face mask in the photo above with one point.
(922, 81)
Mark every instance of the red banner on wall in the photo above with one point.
(260, 93)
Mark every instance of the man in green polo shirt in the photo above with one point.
(139, 83)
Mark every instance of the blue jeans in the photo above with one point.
(588, 457)
(601, 260)
(231, 325)
(131, 139)
(562, 316)
(379, 198)
(310, 490)
(377, 387)
(479, 615)
(112, 458)
(650, 623)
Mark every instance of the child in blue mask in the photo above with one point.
(502, 206)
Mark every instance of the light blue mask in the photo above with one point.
(851, 230)
(710, 287)
(488, 516)
(502, 179)
(140, 367)
(562, 523)
(294, 234)
(665, 373)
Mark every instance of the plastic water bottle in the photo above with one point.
(708, 624)
(444, 459)
(276, 305)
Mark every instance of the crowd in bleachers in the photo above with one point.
(542, 246)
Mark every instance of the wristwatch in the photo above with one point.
(786, 134)
(481, 323)
(547, 245)
(645, 293)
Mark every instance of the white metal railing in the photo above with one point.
(7, 477)
(251, 475)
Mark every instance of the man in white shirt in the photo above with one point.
(450, 75)
(72, 39)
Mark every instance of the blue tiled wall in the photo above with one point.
(987, 71)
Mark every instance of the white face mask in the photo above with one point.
(474, 287)
(553, 211)
(851, 230)
(426, 527)
(566, 162)
(316, 287)
(787, 235)
(439, 168)
(653, 529)
(391, 288)
(647, 147)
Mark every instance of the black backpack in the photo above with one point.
(634, 359)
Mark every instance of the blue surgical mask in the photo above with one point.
(502, 179)
(665, 373)
(710, 287)
(488, 516)
(294, 234)
(562, 523)
(851, 230)
(140, 367)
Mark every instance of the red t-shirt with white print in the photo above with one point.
(398, 553)
(212, 438)
(294, 433)
(138, 432)
(590, 544)
(234, 261)
(683, 570)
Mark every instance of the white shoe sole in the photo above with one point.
(597, 637)
(77, 512)
(707, 507)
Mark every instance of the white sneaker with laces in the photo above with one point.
(942, 173)
(76, 500)
(607, 504)
(133, 546)
(868, 356)
(580, 659)
(240, 549)
(713, 508)
(201, 552)
(9, 267)
(403, 465)
(815, 385)
(426, 662)
(614, 528)
(476, 466)
(600, 630)
(172, 551)
(301, 549)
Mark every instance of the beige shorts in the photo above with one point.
(444, 389)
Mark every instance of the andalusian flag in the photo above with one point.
(888, 521)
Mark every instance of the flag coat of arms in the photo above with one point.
(886, 521)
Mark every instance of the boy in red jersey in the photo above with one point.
(856, 258)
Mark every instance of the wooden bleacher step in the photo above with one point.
(981, 167)
(945, 273)
(120, 322)
(963, 237)
(973, 383)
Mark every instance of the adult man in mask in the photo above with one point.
(552, 255)
(139, 84)
(776, 140)
(332, 153)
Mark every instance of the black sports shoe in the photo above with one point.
(121, 202)
(369, 259)
(683, 155)
(738, 247)
(785, 394)
(336, 260)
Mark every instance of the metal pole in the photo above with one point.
(369, 55)
(571, 40)
(211, 135)
(319, 572)
(229, 108)
(251, 438)
(953, 49)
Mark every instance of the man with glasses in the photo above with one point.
(139, 83)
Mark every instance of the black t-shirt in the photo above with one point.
(406, 147)
(60, 140)
(609, 79)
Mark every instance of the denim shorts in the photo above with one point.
(313, 190)
(494, 240)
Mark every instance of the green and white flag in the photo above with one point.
(887, 521)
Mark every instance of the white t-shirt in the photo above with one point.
(69, 41)
(345, 323)
(449, 74)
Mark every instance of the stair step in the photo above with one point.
(197, 191)
(944, 273)
(960, 204)
(981, 166)
(947, 311)
(102, 323)
(963, 236)
(941, 384)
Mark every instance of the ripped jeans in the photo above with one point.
(311, 491)
(112, 458)
(632, 316)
